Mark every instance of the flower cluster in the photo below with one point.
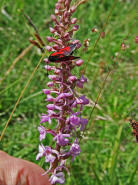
(64, 106)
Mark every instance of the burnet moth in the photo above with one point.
(63, 54)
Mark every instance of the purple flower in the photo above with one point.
(48, 153)
(61, 140)
(84, 100)
(46, 91)
(42, 131)
(75, 149)
(72, 79)
(49, 157)
(53, 107)
(63, 96)
(74, 120)
(57, 178)
(45, 118)
(50, 98)
(41, 152)
(81, 81)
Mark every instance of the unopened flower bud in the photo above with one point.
(66, 34)
(52, 30)
(56, 47)
(67, 3)
(102, 34)
(65, 14)
(46, 91)
(79, 62)
(49, 39)
(75, 27)
(48, 48)
(53, 17)
(51, 106)
(48, 68)
(56, 71)
(123, 47)
(73, 9)
(58, 5)
(60, 1)
(52, 77)
(46, 60)
(73, 21)
(56, 11)
(50, 84)
(72, 78)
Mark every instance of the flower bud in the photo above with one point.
(72, 78)
(52, 77)
(50, 84)
(123, 47)
(102, 34)
(49, 39)
(53, 17)
(52, 30)
(73, 9)
(73, 21)
(48, 48)
(46, 60)
(79, 62)
(66, 34)
(49, 98)
(56, 47)
(48, 68)
(56, 11)
(58, 5)
(65, 14)
(46, 91)
(75, 27)
(56, 71)
(60, 1)
(51, 106)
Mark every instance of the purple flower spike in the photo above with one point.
(64, 107)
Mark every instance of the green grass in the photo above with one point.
(109, 151)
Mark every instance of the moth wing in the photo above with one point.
(68, 50)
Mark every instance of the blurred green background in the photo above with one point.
(109, 151)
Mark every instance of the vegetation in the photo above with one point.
(108, 150)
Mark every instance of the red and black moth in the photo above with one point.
(134, 125)
(63, 54)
